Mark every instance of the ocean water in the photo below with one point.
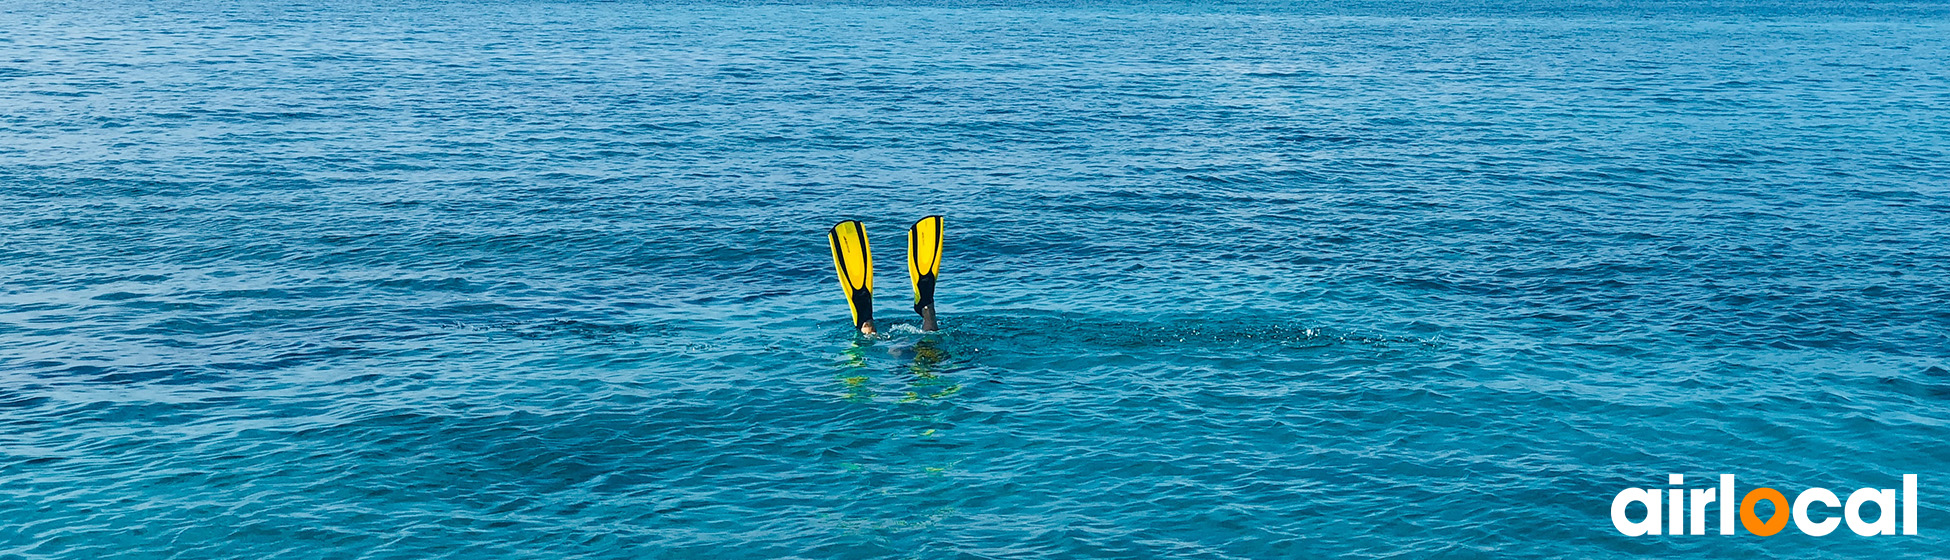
(549, 279)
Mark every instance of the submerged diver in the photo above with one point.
(855, 264)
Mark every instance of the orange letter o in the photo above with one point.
(1773, 524)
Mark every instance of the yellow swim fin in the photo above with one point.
(924, 266)
(857, 268)
(855, 265)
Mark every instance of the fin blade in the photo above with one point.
(854, 262)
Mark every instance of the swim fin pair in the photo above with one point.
(855, 264)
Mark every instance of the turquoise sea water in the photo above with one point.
(549, 280)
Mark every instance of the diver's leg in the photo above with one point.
(927, 319)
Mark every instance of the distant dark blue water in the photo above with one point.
(550, 280)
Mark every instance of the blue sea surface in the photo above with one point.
(528, 279)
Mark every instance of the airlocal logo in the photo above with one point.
(1884, 524)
